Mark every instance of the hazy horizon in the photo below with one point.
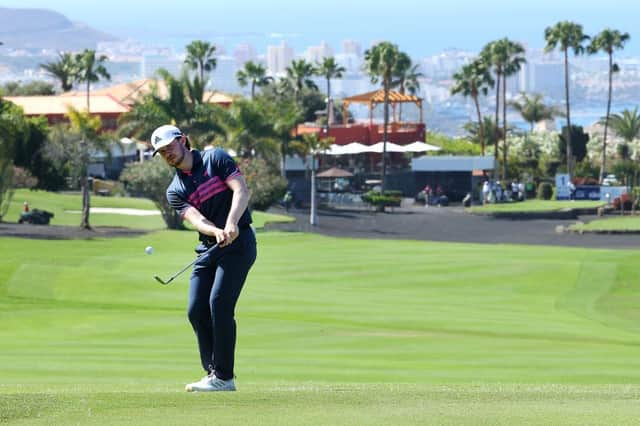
(419, 29)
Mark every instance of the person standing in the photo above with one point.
(209, 191)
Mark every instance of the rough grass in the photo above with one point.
(331, 331)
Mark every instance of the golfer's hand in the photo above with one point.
(221, 237)
(231, 233)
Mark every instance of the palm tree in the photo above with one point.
(406, 75)
(200, 57)
(607, 41)
(533, 110)
(380, 62)
(627, 124)
(90, 69)
(64, 70)
(515, 59)
(472, 80)
(329, 69)
(298, 77)
(254, 74)
(566, 35)
(495, 55)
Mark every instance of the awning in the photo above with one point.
(334, 172)
(358, 148)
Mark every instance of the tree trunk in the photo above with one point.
(497, 126)
(86, 202)
(566, 91)
(253, 89)
(384, 135)
(313, 216)
(283, 158)
(603, 168)
(480, 124)
(504, 127)
(88, 96)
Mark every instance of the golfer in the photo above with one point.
(209, 191)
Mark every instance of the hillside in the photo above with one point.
(46, 29)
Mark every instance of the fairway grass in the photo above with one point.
(331, 331)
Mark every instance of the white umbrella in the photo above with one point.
(391, 147)
(420, 147)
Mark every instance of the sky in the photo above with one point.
(419, 27)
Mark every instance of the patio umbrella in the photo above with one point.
(334, 172)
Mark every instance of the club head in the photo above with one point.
(160, 280)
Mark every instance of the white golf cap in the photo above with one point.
(163, 136)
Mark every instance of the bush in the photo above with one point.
(264, 182)
(545, 191)
(381, 200)
(150, 179)
(22, 178)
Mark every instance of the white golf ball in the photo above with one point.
(149, 250)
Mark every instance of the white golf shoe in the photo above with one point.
(211, 383)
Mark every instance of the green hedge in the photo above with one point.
(381, 200)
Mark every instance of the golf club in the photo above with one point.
(163, 282)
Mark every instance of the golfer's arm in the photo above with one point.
(201, 223)
(240, 199)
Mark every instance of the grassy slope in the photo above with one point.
(331, 331)
(535, 206)
(611, 223)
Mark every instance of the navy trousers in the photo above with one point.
(216, 282)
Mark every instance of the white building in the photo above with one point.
(279, 58)
(318, 53)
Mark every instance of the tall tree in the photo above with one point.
(253, 74)
(515, 59)
(380, 62)
(505, 57)
(71, 145)
(607, 41)
(91, 69)
(471, 81)
(406, 76)
(329, 69)
(566, 35)
(201, 57)
(299, 76)
(64, 69)
(533, 110)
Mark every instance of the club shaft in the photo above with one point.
(209, 250)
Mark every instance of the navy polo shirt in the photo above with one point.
(205, 188)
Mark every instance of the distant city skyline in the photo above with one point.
(419, 29)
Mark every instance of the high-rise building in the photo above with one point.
(243, 53)
(279, 57)
(351, 47)
(318, 53)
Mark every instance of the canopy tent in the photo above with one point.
(377, 97)
(420, 147)
(334, 172)
(358, 148)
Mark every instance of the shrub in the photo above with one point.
(150, 179)
(22, 178)
(545, 191)
(264, 182)
(381, 200)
